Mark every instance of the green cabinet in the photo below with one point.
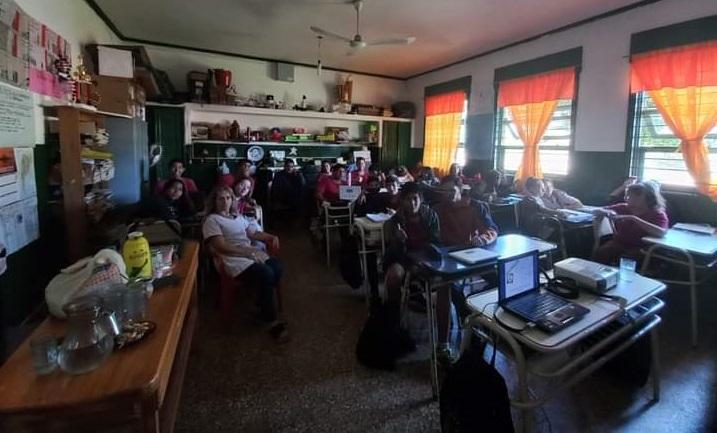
(166, 128)
(396, 146)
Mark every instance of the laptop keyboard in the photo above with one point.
(536, 306)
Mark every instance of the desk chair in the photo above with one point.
(336, 216)
(372, 243)
(698, 270)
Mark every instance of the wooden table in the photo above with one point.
(137, 387)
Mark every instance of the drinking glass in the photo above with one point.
(627, 267)
(135, 303)
(44, 354)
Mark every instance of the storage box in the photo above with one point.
(118, 95)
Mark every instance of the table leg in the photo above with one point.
(149, 423)
(693, 298)
(432, 336)
(655, 343)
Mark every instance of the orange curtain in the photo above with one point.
(531, 102)
(683, 84)
(442, 130)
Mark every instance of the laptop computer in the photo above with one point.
(519, 293)
(472, 256)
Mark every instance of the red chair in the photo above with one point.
(228, 287)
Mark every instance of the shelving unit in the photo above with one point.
(76, 219)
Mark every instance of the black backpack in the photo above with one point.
(382, 341)
(350, 262)
(474, 397)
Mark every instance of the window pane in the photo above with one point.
(460, 157)
(657, 148)
(558, 133)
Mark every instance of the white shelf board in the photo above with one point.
(282, 143)
(232, 109)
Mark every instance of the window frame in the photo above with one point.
(636, 157)
(498, 154)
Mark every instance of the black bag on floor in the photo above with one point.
(474, 397)
(350, 262)
(382, 341)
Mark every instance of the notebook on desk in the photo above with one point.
(575, 216)
(472, 256)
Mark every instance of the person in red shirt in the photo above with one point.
(327, 190)
(642, 214)
(360, 175)
(176, 170)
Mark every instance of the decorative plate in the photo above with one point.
(134, 332)
(255, 154)
(230, 152)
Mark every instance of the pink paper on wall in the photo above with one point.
(45, 83)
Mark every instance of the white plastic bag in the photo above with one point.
(70, 282)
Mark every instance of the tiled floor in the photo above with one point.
(240, 381)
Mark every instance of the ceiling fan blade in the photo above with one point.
(329, 34)
(393, 41)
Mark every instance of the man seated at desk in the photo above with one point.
(414, 227)
(287, 189)
(466, 223)
(554, 198)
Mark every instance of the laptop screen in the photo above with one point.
(517, 275)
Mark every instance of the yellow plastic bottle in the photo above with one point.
(137, 256)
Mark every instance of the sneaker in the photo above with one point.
(279, 331)
(445, 356)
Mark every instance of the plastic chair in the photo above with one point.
(336, 217)
(229, 287)
(372, 243)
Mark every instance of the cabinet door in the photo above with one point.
(166, 128)
(403, 144)
(389, 147)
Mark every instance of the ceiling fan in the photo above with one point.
(357, 41)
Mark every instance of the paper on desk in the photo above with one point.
(378, 217)
(697, 228)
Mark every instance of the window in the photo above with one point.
(554, 146)
(656, 152)
(460, 157)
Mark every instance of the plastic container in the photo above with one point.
(137, 257)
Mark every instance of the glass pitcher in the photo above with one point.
(89, 338)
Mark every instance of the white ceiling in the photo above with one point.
(446, 30)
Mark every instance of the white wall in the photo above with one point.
(75, 21)
(603, 95)
(255, 77)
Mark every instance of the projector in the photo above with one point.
(591, 275)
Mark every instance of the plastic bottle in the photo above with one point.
(136, 256)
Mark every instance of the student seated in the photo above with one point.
(172, 203)
(392, 192)
(287, 189)
(454, 175)
(325, 170)
(230, 237)
(245, 205)
(642, 214)
(532, 206)
(414, 227)
(372, 200)
(376, 172)
(359, 176)
(618, 194)
(403, 175)
(465, 223)
(176, 170)
(428, 177)
(490, 187)
(554, 198)
(327, 190)
(242, 171)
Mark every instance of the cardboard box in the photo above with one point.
(117, 95)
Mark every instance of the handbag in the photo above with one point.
(86, 276)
